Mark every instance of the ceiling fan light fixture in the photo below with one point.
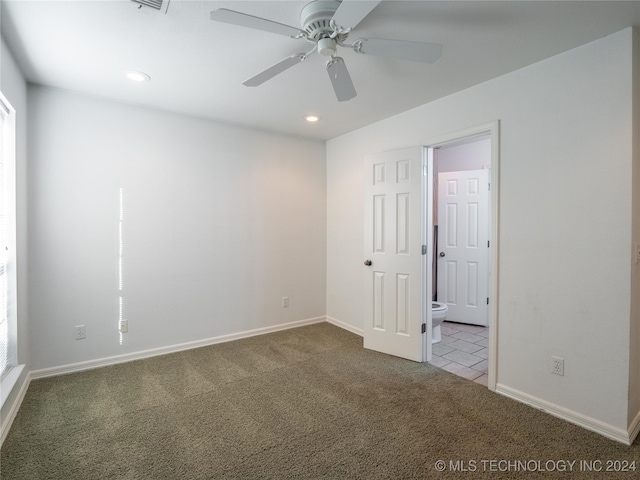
(327, 47)
(138, 77)
(312, 118)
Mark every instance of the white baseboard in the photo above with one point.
(103, 362)
(588, 423)
(345, 326)
(7, 421)
(634, 429)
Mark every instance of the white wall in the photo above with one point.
(565, 230)
(14, 87)
(474, 155)
(219, 223)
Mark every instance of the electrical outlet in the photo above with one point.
(124, 326)
(81, 332)
(285, 302)
(557, 365)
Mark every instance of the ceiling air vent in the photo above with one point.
(161, 5)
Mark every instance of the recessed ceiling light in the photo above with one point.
(312, 118)
(137, 76)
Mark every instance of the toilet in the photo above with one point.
(438, 316)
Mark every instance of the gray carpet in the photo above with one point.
(306, 403)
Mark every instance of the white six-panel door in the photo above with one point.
(393, 243)
(463, 249)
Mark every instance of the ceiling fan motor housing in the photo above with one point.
(316, 22)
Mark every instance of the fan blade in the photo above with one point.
(340, 79)
(244, 20)
(351, 13)
(274, 70)
(400, 49)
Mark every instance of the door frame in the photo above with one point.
(493, 130)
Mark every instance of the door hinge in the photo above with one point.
(487, 300)
(424, 249)
(424, 328)
(489, 186)
(488, 243)
(424, 170)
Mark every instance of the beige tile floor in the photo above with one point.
(463, 351)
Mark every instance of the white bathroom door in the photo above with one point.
(463, 245)
(392, 247)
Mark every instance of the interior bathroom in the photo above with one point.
(461, 263)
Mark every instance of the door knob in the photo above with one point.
(442, 254)
(367, 263)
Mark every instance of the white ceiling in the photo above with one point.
(197, 66)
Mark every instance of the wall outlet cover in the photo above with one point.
(557, 365)
(81, 332)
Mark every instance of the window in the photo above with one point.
(7, 238)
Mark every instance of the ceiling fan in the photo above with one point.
(326, 24)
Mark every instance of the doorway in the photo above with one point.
(462, 221)
(399, 247)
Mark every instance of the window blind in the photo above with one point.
(6, 189)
